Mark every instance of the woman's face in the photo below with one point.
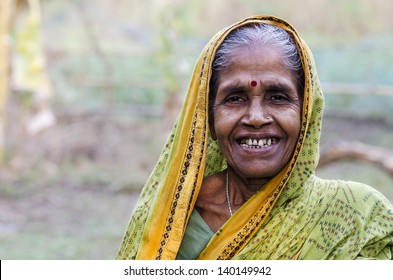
(257, 113)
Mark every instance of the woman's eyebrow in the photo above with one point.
(278, 87)
(234, 87)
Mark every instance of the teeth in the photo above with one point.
(257, 143)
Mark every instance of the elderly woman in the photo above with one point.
(236, 177)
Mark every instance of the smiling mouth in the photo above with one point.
(257, 143)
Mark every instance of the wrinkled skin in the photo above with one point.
(257, 98)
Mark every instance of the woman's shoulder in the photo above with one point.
(356, 195)
(365, 197)
(354, 216)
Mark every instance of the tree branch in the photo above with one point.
(361, 152)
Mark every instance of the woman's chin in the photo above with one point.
(256, 173)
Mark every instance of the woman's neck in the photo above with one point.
(242, 189)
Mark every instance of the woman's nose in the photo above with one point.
(257, 115)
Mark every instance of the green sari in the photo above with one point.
(296, 215)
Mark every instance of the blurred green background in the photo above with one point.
(119, 71)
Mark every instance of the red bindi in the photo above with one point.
(253, 83)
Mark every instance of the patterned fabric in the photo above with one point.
(294, 216)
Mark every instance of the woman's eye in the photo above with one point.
(278, 97)
(234, 99)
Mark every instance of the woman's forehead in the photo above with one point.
(250, 53)
(263, 58)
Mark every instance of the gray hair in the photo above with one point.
(253, 35)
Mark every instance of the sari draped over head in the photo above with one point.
(296, 215)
